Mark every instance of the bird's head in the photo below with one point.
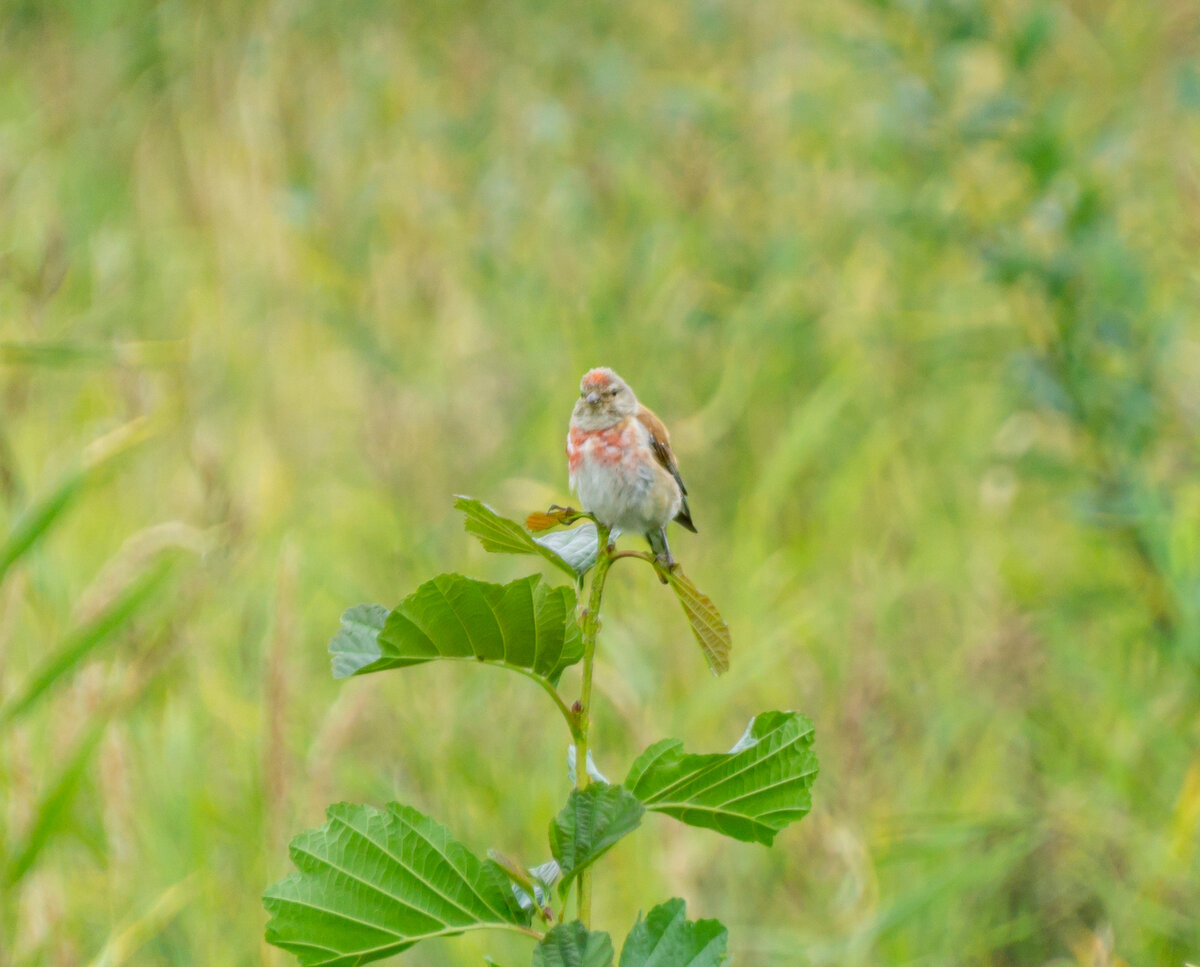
(604, 399)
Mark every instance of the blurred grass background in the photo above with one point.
(913, 282)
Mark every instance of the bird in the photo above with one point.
(621, 464)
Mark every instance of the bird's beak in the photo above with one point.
(593, 398)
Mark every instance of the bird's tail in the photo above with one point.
(684, 516)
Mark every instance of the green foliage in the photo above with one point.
(38, 519)
(664, 938)
(525, 625)
(374, 882)
(573, 945)
(573, 551)
(667, 938)
(44, 512)
(593, 821)
(129, 589)
(356, 645)
(73, 652)
(50, 810)
(750, 792)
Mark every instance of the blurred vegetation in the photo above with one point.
(913, 282)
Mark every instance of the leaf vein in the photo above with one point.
(460, 872)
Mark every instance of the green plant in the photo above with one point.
(122, 593)
(372, 883)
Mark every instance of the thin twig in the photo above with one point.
(590, 626)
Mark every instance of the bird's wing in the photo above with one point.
(660, 443)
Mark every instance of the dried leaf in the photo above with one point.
(708, 627)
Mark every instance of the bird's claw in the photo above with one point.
(664, 563)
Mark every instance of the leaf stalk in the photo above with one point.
(589, 624)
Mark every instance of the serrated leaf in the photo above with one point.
(573, 945)
(577, 546)
(356, 645)
(708, 627)
(526, 625)
(591, 823)
(497, 534)
(750, 792)
(667, 938)
(573, 551)
(374, 882)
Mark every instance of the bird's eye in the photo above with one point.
(614, 391)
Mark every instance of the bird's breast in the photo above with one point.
(617, 479)
(609, 447)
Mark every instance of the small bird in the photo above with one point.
(621, 464)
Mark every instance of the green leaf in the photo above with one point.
(750, 792)
(591, 823)
(576, 546)
(374, 882)
(574, 550)
(573, 945)
(708, 627)
(356, 645)
(526, 625)
(667, 938)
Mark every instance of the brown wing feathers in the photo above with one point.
(660, 443)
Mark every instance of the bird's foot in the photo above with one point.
(664, 563)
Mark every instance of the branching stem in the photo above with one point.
(589, 623)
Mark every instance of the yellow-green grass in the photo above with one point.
(914, 285)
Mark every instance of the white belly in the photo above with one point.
(620, 496)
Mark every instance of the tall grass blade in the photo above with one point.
(38, 519)
(84, 640)
(44, 512)
(50, 810)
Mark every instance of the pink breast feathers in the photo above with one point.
(605, 447)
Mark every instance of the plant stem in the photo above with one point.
(589, 624)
